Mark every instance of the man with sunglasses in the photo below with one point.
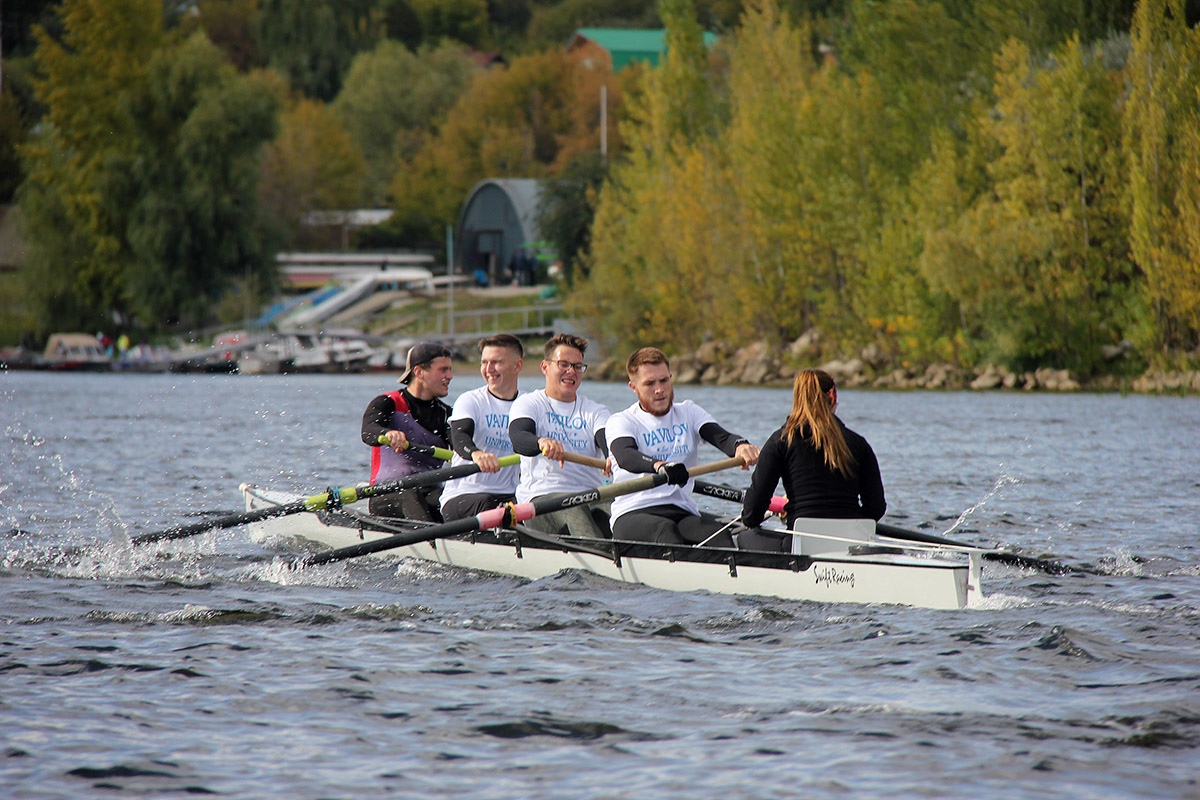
(549, 422)
(415, 414)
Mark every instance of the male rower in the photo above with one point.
(657, 434)
(555, 420)
(414, 414)
(479, 432)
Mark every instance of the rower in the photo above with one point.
(828, 470)
(479, 432)
(415, 414)
(658, 434)
(557, 419)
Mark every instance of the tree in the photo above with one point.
(391, 97)
(140, 199)
(230, 25)
(1037, 261)
(74, 224)
(632, 270)
(312, 165)
(464, 21)
(526, 120)
(569, 206)
(312, 42)
(190, 182)
(1162, 116)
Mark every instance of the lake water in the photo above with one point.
(192, 668)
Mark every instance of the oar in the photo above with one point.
(332, 498)
(587, 461)
(505, 515)
(440, 453)
(1048, 566)
(735, 495)
(891, 531)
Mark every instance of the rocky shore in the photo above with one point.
(758, 364)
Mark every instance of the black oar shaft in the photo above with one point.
(197, 528)
(331, 498)
(884, 529)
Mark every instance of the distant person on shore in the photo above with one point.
(557, 419)
(415, 414)
(479, 432)
(657, 434)
(828, 470)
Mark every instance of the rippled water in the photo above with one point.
(200, 667)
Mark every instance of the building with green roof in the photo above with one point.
(623, 46)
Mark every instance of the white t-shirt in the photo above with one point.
(675, 436)
(575, 425)
(490, 415)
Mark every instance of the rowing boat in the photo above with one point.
(840, 563)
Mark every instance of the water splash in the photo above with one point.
(1002, 482)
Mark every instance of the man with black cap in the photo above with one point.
(415, 414)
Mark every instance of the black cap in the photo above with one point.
(420, 355)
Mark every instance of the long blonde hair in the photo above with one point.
(812, 409)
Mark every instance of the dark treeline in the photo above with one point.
(974, 181)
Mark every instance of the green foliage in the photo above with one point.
(552, 24)
(392, 97)
(525, 120)
(464, 21)
(312, 42)
(140, 197)
(1160, 137)
(568, 206)
(1034, 260)
(230, 25)
(12, 133)
(312, 165)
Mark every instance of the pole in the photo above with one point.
(603, 121)
(450, 272)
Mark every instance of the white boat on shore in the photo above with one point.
(842, 563)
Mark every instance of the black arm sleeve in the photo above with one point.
(870, 485)
(629, 458)
(462, 437)
(523, 433)
(601, 442)
(766, 475)
(376, 419)
(722, 439)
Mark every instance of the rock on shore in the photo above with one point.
(760, 364)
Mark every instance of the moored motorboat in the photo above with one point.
(838, 565)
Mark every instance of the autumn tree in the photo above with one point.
(1036, 262)
(393, 97)
(524, 120)
(1162, 120)
(141, 195)
(312, 165)
(633, 270)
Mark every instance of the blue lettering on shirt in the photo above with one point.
(664, 435)
(578, 423)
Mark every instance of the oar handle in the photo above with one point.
(702, 469)
(587, 461)
(440, 453)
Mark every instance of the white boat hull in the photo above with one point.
(939, 583)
